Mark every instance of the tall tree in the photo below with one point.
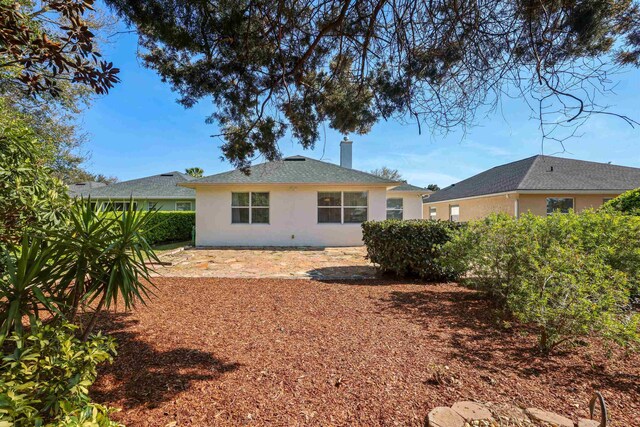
(387, 173)
(433, 187)
(50, 66)
(195, 172)
(277, 66)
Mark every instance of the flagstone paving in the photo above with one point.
(295, 263)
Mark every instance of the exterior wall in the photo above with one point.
(480, 207)
(411, 204)
(161, 204)
(537, 203)
(471, 209)
(293, 217)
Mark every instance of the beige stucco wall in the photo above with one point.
(411, 204)
(480, 207)
(293, 217)
(471, 209)
(537, 203)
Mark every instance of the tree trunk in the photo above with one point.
(94, 318)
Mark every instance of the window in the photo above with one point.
(394, 208)
(432, 213)
(120, 206)
(183, 206)
(561, 204)
(152, 205)
(250, 208)
(454, 213)
(340, 207)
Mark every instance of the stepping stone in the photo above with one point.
(472, 411)
(583, 422)
(444, 417)
(549, 417)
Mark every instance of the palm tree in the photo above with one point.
(195, 172)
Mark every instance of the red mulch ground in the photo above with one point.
(294, 352)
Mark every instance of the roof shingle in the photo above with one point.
(294, 170)
(162, 186)
(543, 173)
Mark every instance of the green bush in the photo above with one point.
(628, 202)
(170, 226)
(45, 380)
(569, 275)
(409, 247)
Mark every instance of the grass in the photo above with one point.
(160, 249)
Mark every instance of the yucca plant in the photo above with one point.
(27, 277)
(106, 258)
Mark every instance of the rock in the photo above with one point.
(472, 411)
(444, 417)
(583, 422)
(549, 417)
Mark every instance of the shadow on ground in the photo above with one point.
(344, 272)
(466, 324)
(146, 376)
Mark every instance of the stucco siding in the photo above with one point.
(411, 204)
(537, 203)
(293, 217)
(471, 209)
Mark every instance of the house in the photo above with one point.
(158, 191)
(538, 184)
(297, 201)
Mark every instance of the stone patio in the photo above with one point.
(294, 263)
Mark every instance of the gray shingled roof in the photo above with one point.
(162, 186)
(410, 188)
(294, 170)
(545, 173)
(81, 187)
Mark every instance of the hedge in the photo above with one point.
(628, 202)
(409, 248)
(170, 226)
(570, 275)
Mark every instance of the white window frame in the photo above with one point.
(151, 205)
(251, 207)
(451, 214)
(433, 212)
(573, 204)
(401, 209)
(341, 207)
(184, 201)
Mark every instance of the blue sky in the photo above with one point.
(138, 129)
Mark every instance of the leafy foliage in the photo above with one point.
(167, 226)
(94, 258)
(35, 55)
(45, 380)
(628, 202)
(277, 67)
(195, 172)
(410, 247)
(433, 187)
(29, 195)
(570, 275)
(388, 173)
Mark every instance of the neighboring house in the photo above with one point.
(158, 191)
(79, 187)
(297, 201)
(538, 184)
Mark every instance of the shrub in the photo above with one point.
(570, 275)
(628, 202)
(170, 226)
(45, 380)
(409, 247)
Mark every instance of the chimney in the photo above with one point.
(346, 155)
